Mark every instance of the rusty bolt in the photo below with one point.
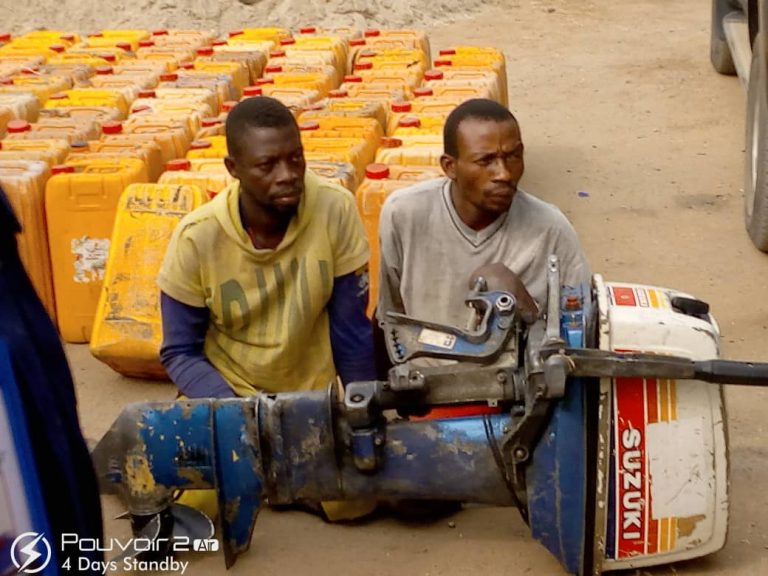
(501, 377)
(520, 454)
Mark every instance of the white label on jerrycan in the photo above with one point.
(90, 258)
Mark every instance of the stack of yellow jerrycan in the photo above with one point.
(127, 331)
(88, 123)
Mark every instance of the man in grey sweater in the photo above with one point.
(436, 235)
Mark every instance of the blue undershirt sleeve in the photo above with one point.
(351, 330)
(184, 329)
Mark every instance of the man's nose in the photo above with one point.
(501, 171)
(286, 172)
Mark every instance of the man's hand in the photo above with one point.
(499, 277)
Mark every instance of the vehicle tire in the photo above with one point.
(756, 172)
(719, 52)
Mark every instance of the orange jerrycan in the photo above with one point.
(180, 172)
(356, 151)
(67, 129)
(127, 329)
(208, 165)
(421, 151)
(348, 107)
(24, 105)
(253, 60)
(50, 151)
(40, 86)
(173, 136)
(80, 204)
(24, 184)
(478, 58)
(99, 115)
(181, 37)
(397, 39)
(147, 151)
(211, 147)
(417, 125)
(342, 173)
(370, 197)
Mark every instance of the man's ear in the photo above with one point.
(448, 164)
(229, 162)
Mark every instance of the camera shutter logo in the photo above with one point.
(25, 552)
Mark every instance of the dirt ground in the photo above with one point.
(618, 100)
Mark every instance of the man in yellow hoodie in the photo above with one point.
(265, 288)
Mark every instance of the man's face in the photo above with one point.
(269, 163)
(489, 164)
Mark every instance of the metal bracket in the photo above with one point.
(407, 337)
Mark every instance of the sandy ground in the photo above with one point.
(616, 99)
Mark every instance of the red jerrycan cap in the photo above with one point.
(409, 122)
(30, 70)
(187, 65)
(220, 42)
(58, 48)
(367, 54)
(209, 122)
(200, 144)
(140, 108)
(372, 33)
(423, 91)
(262, 81)
(443, 63)
(146, 43)
(58, 96)
(287, 41)
(169, 77)
(227, 105)
(338, 94)
(357, 42)
(233, 33)
(96, 35)
(313, 107)
(178, 164)
(434, 75)
(205, 51)
(390, 142)
(352, 78)
(277, 53)
(377, 171)
(160, 32)
(273, 68)
(401, 106)
(18, 126)
(309, 125)
(104, 70)
(67, 37)
(6, 81)
(124, 46)
(363, 66)
(108, 57)
(62, 169)
(447, 52)
(112, 127)
(147, 94)
(307, 30)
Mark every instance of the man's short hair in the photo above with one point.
(255, 112)
(477, 108)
